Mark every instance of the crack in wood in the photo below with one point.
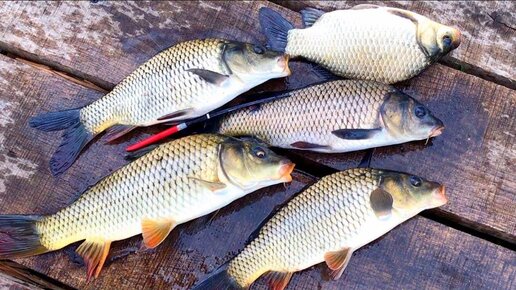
(56, 69)
(31, 278)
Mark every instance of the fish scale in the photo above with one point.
(133, 103)
(155, 185)
(311, 114)
(325, 217)
(350, 45)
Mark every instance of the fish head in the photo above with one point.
(412, 194)
(249, 164)
(407, 119)
(254, 63)
(437, 39)
(448, 38)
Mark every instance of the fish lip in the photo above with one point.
(285, 171)
(283, 63)
(438, 130)
(457, 37)
(440, 195)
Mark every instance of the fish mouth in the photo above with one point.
(438, 130)
(440, 196)
(456, 38)
(285, 170)
(283, 64)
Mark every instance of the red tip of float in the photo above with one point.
(155, 138)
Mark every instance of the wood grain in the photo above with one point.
(488, 30)
(106, 41)
(116, 37)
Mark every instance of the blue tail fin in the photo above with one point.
(219, 280)
(19, 236)
(275, 28)
(55, 121)
(75, 137)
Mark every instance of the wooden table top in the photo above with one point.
(59, 55)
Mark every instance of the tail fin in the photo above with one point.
(75, 137)
(219, 280)
(275, 28)
(19, 236)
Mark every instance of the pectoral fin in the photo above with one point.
(176, 114)
(154, 231)
(307, 145)
(209, 76)
(94, 253)
(381, 202)
(337, 261)
(356, 134)
(211, 185)
(278, 280)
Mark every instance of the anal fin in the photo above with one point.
(310, 16)
(154, 231)
(94, 253)
(337, 261)
(118, 131)
(279, 280)
(177, 115)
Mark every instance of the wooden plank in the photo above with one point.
(488, 29)
(15, 276)
(419, 252)
(106, 41)
(186, 256)
(475, 157)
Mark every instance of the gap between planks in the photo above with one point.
(313, 168)
(29, 278)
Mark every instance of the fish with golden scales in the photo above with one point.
(365, 42)
(327, 222)
(172, 184)
(334, 117)
(185, 81)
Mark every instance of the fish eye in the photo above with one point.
(447, 41)
(259, 152)
(258, 49)
(420, 112)
(415, 181)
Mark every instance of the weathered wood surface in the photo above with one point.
(488, 29)
(117, 37)
(105, 41)
(121, 36)
(420, 252)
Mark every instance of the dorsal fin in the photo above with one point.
(403, 14)
(364, 6)
(310, 16)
